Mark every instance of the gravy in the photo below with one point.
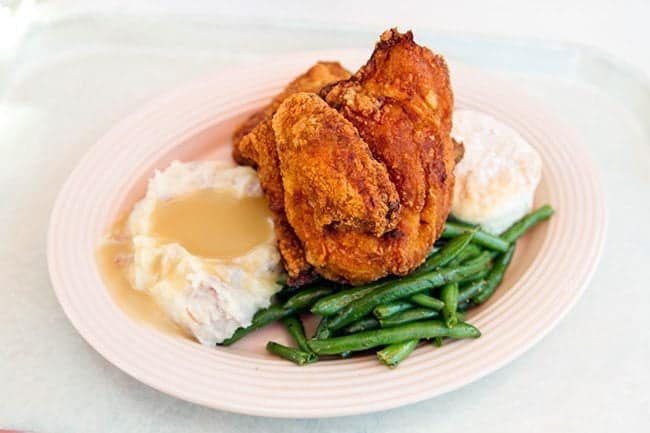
(212, 224)
(112, 259)
(207, 223)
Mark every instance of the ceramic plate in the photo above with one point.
(551, 268)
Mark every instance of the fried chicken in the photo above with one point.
(366, 172)
(343, 188)
(313, 80)
(401, 103)
(254, 145)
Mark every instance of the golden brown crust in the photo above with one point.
(313, 80)
(240, 155)
(254, 145)
(332, 175)
(401, 104)
(331, 181)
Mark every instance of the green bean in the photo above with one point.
(295, 355)
(454, 228)
(432, 251)
(437, 341)
(366, 324)
(462, 307)
(483, 259)
(495, 277)
(322, 331)
(261, 319)
(330, 305)
(384, 337)
(480, 275)
(392, 355)
(408, 316)
(304, 299)
(405, 288)
(471, 290)
(487, 240)
(427, 301)
(286, 292)
(449, 295)
(385, 310)
(433, 260)
(470, 252)
(519, 228)
(448, 252)
(297, 331)
(298, 302)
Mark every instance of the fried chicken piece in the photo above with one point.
(343, 188)
(332, 183)
(254, 145)
(313, 80)
(242, 153)
(362, 189)
(400, 103)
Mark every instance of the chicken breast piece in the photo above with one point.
(333, 170)
(254, 145)
(313, 80)
(401, 104)
(331, 180)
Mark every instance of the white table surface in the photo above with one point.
(589, 374)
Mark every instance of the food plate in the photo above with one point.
(550, 270)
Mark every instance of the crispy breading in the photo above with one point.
(342, 188)
(335, 172)
(313, 80)
(254, 145)
(401, 104)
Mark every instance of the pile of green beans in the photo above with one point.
(396, 314)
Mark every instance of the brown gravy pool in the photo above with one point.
(208, 223)
(211, 223)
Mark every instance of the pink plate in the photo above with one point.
(551, 269)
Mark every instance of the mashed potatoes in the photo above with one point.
(497, 177)
(203, 247)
